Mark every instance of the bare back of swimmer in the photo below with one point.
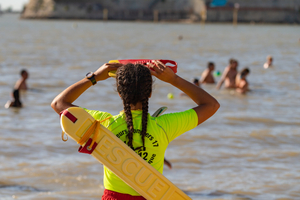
(207, 76)
(229, 75)
(21, 83)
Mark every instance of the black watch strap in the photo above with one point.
(92, 79)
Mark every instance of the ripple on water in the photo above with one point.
(251, 143)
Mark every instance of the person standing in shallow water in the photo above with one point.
(229, 75)
(19, 85)
(207, 76)
(242, 85)
(147, 136)
(16, 102)
(269, 63)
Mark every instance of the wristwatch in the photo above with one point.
(91, 77)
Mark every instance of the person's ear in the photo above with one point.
(150, 95)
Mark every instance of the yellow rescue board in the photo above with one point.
(120, 159)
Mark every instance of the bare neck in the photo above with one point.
(137, 106)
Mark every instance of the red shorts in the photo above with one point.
(111, 195)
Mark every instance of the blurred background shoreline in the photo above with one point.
(235, 11)
(249, 150)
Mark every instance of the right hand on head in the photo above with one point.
(102, 72)
(162, 72)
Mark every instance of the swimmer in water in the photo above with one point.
(16, 103)
(196, 82)
(21, 83)
(242, 84)
(269, 63)
(229, 75)
(207, 76)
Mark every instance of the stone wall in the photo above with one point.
(117, 9)
(269, 11)
(254, 15)
(267, 3)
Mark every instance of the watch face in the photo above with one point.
(89, 74)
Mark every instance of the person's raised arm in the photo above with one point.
(66, 98)
(220, 83)
(207, 105)
(204, 76)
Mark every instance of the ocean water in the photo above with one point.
(249, 150)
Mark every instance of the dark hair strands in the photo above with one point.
(134, 84)
(23, 71)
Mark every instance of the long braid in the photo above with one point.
(125, 81)
(146, 92)
(134, 84)
(144, 120)
(129, 122)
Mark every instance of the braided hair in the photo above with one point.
(134, 84)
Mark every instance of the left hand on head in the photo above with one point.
(162, 72)
(102, 72)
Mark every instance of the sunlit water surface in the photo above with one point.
(248, 150)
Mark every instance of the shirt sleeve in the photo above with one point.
(99, 115)
(175, 124)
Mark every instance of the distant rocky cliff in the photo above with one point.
(111, 9)
(279, 11)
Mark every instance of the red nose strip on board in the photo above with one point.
(69, 116)
(146, 61)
